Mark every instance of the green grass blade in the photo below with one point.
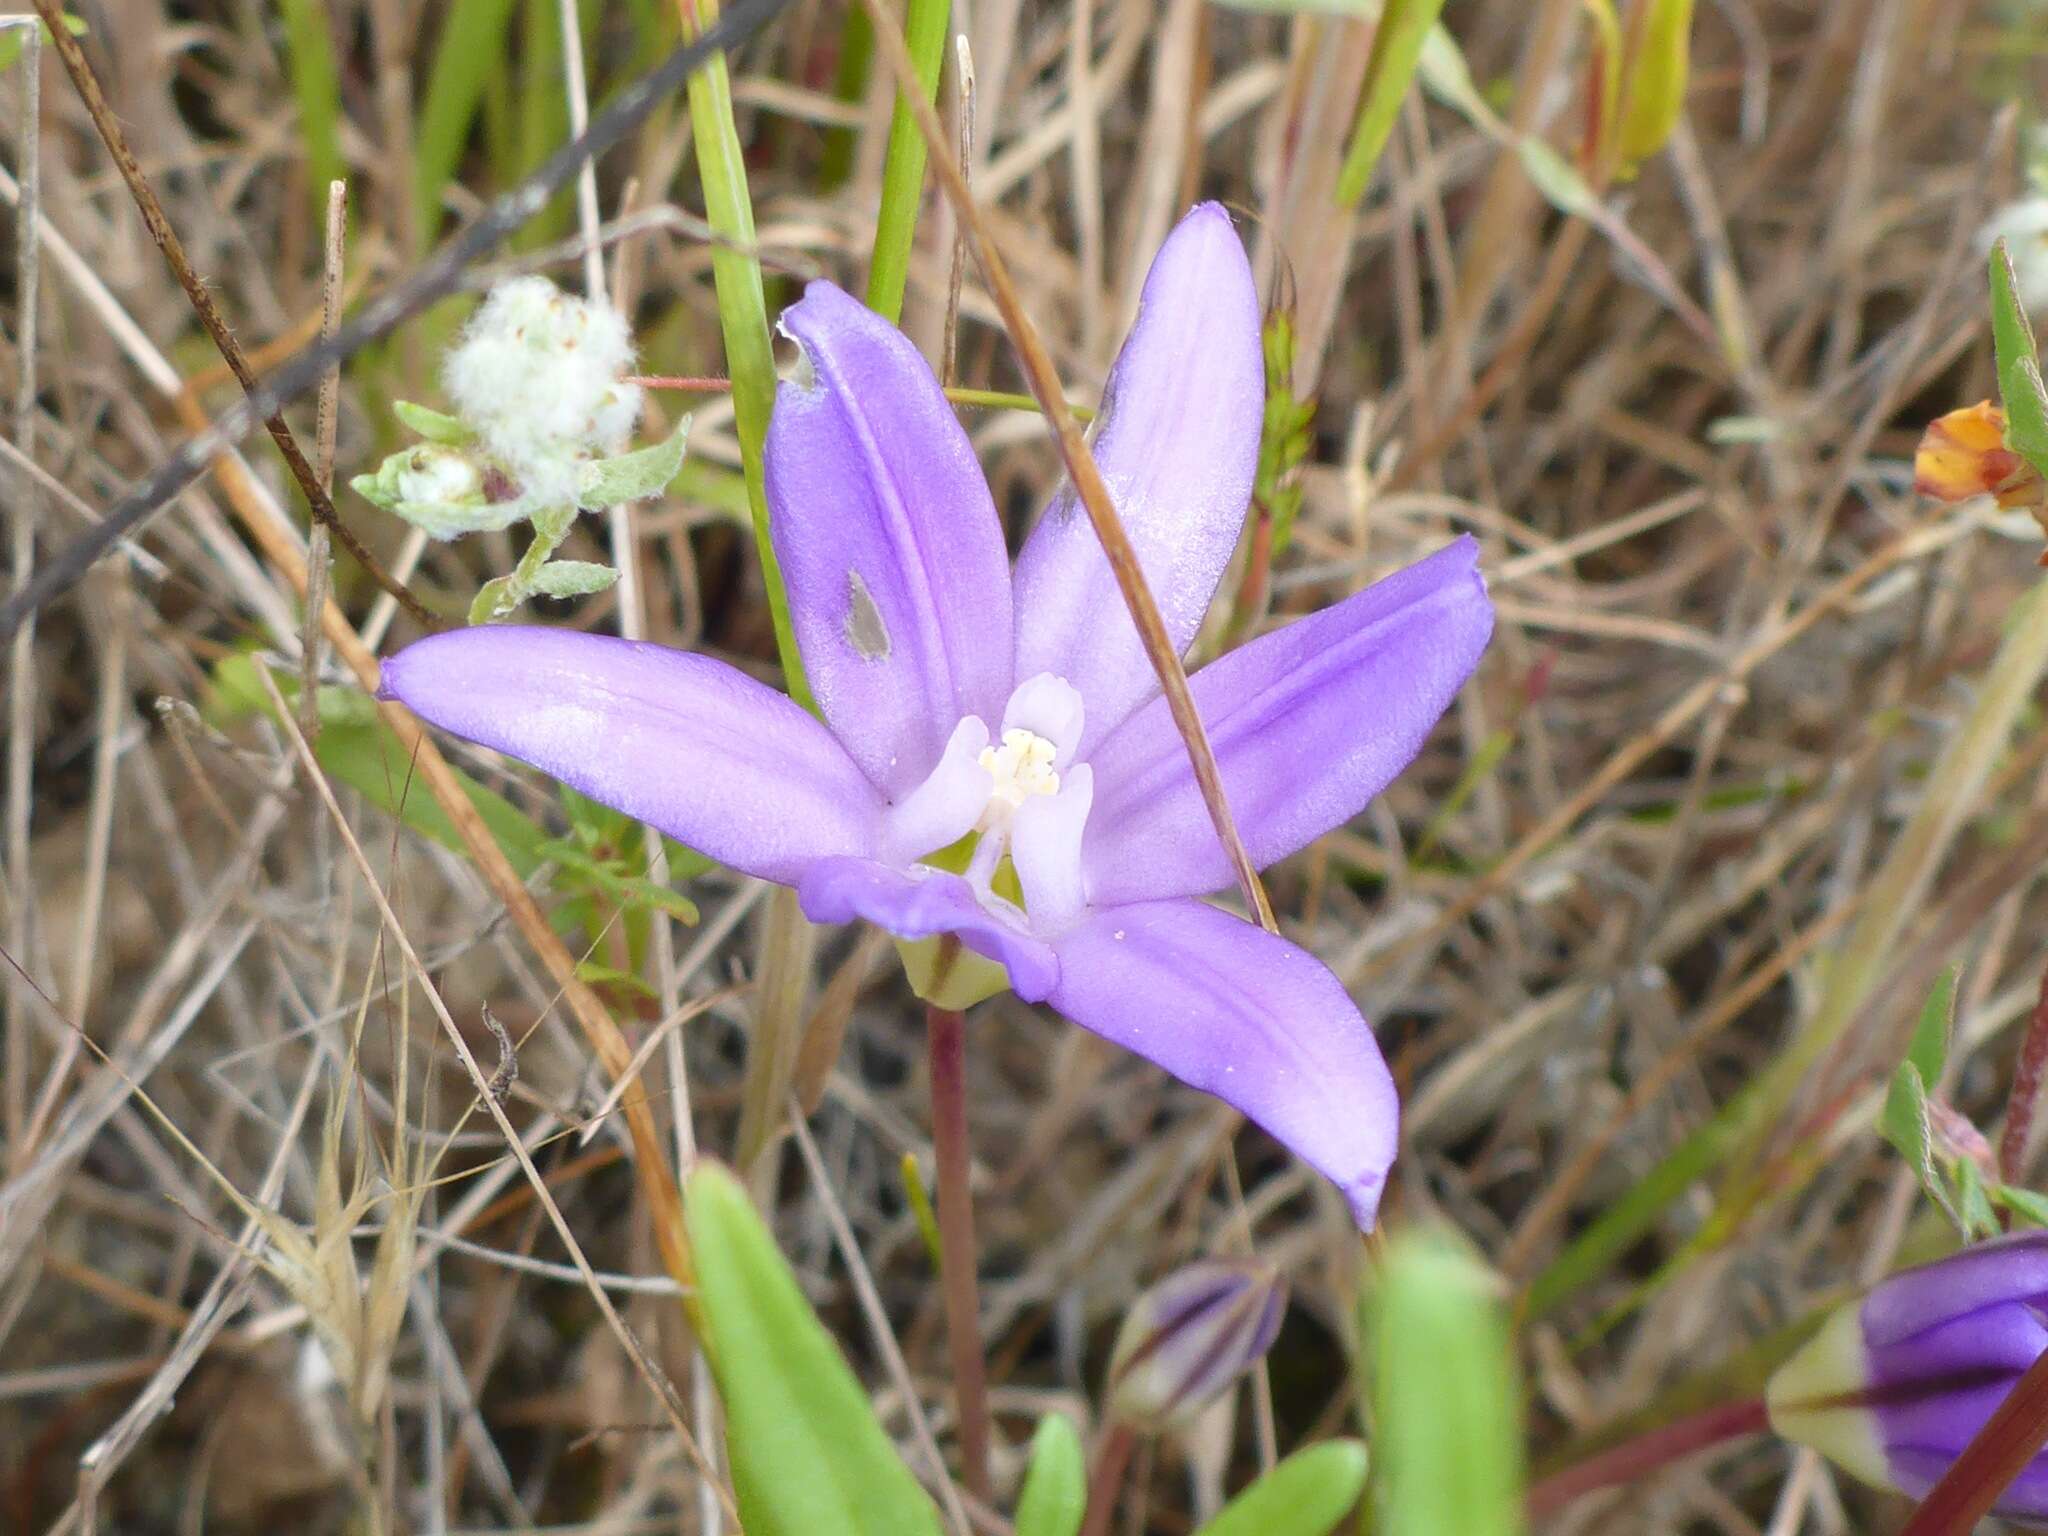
(1396, 50)
(470, 53)
(849, 84)
(903, 165)
(743, 319)
(316, 87)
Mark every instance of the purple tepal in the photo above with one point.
(994, 776)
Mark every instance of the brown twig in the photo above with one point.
(209, 314)
(1106, 1478)
(319, 577)
(1080, 463)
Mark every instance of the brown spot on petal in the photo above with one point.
(865, 631)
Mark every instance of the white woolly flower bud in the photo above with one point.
(537, 373)
(439, 475)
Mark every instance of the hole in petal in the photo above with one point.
(865, 631)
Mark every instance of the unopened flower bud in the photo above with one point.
(538, 373)
(1189, 1337)
(1895, 1385)
(1963, 454)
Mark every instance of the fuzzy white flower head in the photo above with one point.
(2023, 226)
(434, 474)
(537, 373)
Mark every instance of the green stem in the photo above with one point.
(1396, 50)
(903, 165)
(742, 316)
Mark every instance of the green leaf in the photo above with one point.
(1397, 42)
(1929, 1050)
(1306, 1495)
(1055, 1495)
(633, 476)
(2026, 1204)
(1973, 1207)
(1655, 91)
(2019, 366)
(808, 1455)
(924, 28)
(1448, 1431)
(14, 40)
(1562, 187)
(573, 578)
(434, 426)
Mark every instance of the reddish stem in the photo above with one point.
(2026, 1090)
(1106, 1481)
(946, 1044)
(2000, 1451)
(1629, 1461)
(695, 386)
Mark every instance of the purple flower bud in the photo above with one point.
(1895, 1385)
(1190, 1336)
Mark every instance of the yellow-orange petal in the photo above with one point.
(1963, 454)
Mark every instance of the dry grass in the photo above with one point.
(1733, 644)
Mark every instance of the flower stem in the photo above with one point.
(1629, 1461)
(946, 1044)
(1106, 1481)
(2026, 1089)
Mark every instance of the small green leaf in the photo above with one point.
(1973, 1206)
(14, 40)
(633, 476)
(572, 578)
(434, 426)
(1655, 91)
(1306, 1495)
(2026, 1204)
(808, 1455)
(1055, 1495)
(1562, 187)
(494, 600)
(1929, 1050)
(1447, 1422)
(921, 1208)
(2019, 366)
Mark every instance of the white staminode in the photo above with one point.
(1024, 796)
(1021, 768)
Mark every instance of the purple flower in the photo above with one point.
(995, 761)
(1895, 1385)
(1188, 1337)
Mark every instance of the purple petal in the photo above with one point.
(899, 587)
(1913, 1300)
(1178, 444)
(1308, 724)
(1251, 1018)
(919, 903)
(703, 752)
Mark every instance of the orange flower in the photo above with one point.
(1963, 454)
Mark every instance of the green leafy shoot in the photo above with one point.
(1286, 437)
(1404, 26)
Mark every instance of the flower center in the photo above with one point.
(1021, 768)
